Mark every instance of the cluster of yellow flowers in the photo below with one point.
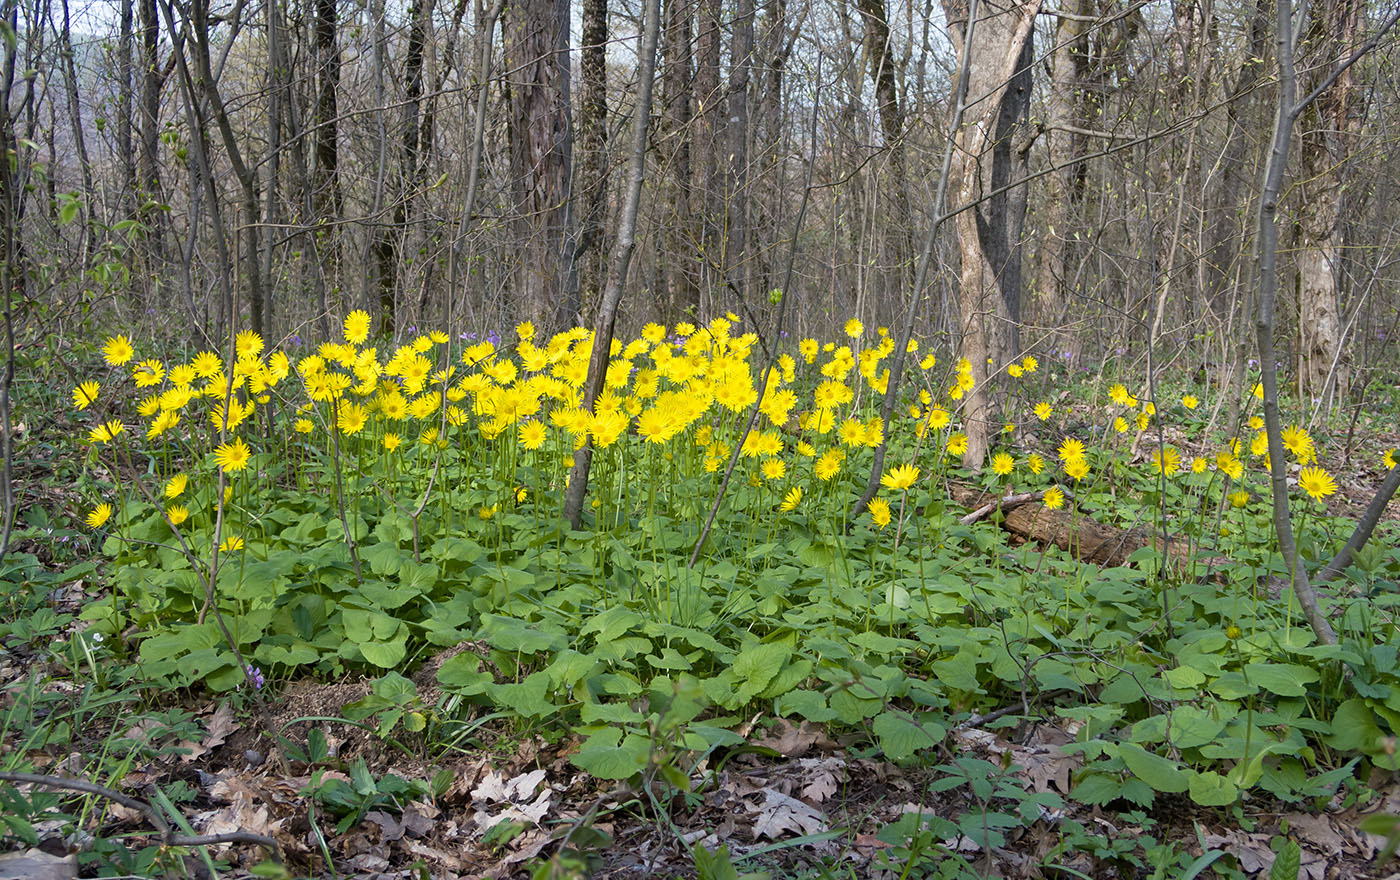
(691, 380)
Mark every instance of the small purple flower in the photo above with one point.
(255, 674)
(493, 338)
(295, 340)
(464, 335)
(413, 329)
(1253, 363)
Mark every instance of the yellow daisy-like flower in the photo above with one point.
(1003, 463)
(98, 516)
(900, 478)
(392, 441)
(206, 365)
(486, 512)
(1166, 461)
(148, 373)
(177, 513)
(938, 418)
(1071, 449)
(1035, 463)
(1119, 395)
(1054, 498)
(532, 435)
(117, 351)
(1199, 465)
(1389, 459)
(829, 465)
(1189, 401)
(1316, 482)
(854, 328)
(1120, 425)
(880, 513)
(1043, 410)
(791, 500)
(1015, 371)
(1239, 498)
(957, 444)
(106, 431)
(85, 394)
(357, 327)
(1029, 364)
(303, 426)
(230, 544)
(1077, 468)
(774, 469)
(1258, 390)
(175, 486)
(247, 344)
(1297, 441)
(232, 457)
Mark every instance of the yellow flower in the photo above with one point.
(1119, 395)
(1233, 632)
(1297, 441)
(392, 441)
(880, 513)
(1120, 425)
(175, 486)
(1229, 465)
(526, 331)
(1389, 459)
(1189, 401)
(957, 443)
(1239, 498)
(1077, 468)
(793, 498)
(230, 544)
(1199, 465)
(232, 457)
(1043, 410)
(1054, 498)
(163, 422)
(99, 515)
(1015, 371)
(356, 327)
(1029, 364)
(117, 350)
(938, 418)
(106, 431)
(177, 513)
(829, 465)
(900, 478)
(1166, 461)
(1003, 463)
(351, 418)
(1035, 463)
(1317, 483)
(1258, 390)
(486, 512)
(774, 469)
(85, 394)
(247, 344)
(206, 364)
(1143, 420)
(854, 328)
(1071, 449)
(303, 426)
(148, 373)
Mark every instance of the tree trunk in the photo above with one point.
(1325, 134)
(705, 147)
(882, 74)
(681, 293)
(991, 154)
(741, 61)
(1063, 106)
(541, 150)
(589, 257)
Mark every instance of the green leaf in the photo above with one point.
(509, 634)
(1284, 679)
(1210, 789)
(809, 704)
(1163, 774)
(1097, 789)
(462, 674)
(606, 755)
(385, 655)
(901, 735)
(384, 558)
(1192, 727)
(1288, 862)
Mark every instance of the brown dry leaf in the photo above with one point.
(218, 728)
(794, 741)
(781, 814)
(1315, 831)
(823, 776)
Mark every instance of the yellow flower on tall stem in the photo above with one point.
(117, 351)
(1317, 482)
(85, 394)
(232, 457)
(99, 515)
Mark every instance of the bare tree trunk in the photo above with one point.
(882, 74)
(989, 156)
(1325, 130)
(541, 150)
(589, 257)
(125, 155)
(682, 295)
(736, 246)
(621, 257)
(75, 116)
(326, 199)
(1069, 61)
(706, 145)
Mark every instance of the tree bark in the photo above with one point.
(681, 290)
(589, 258)
(990, 154)
(882, 74)
(541, 150)
(621, 256)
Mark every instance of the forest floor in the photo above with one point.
(347, 782)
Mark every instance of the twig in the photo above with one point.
(1006, 503)
(145, 809)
